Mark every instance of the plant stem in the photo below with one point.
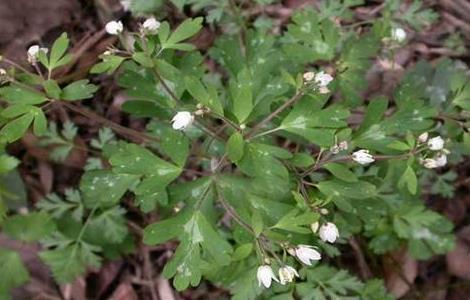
(271, 116)
(136, 135)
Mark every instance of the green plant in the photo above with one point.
(212, 164)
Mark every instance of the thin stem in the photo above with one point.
(266, 132)
(271, 116)
(117, 127)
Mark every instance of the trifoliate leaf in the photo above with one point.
(71, 261)
(109, 224)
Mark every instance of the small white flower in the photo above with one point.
(423, 137)
(182, 120)
(287, 274)
(324, 211)
(151, 26)
(265, 276)
(363, 157)
(3, 72)
(398, 34)
(314, 227)
(33, 52)
(328, 232)
(308, 76)
(306, 254)
(436, 162)
(436, 143)
(114, 27)
(323, 79)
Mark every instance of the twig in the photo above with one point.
(364, 269)
(136, 135)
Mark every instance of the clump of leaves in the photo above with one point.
(256, 170)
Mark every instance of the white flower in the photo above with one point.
(307, 254)
(328, 232)
(323, 79)
(436, 143)
(423, 137)
(265, 276)
(363, 157)
(436, 162)
(398, 34)
(182, 120)
(3, 72)
(151, 26)
(114, 27)
(287, 274)
(308, 76)
(33, 52)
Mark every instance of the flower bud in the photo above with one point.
(328, 232)
(182, 120)
(114, 27)
(423, 137)
(287, 274)
(151, 26)
(398, 35)
(362, 157)
(308, 76)
(265, 276)
(436, 143)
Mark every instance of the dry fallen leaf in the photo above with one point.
(400, 272)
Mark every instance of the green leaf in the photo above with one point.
(354, 190)
(297, 221)
(318, 127)
(257, 223)
(105, 188)
(160, 232)
(242, 252)
(79, 90)
(409, 180)
(14, 273)
(15, 94)
(69, 262)
(40, 122)
(185, 30)
(242, 95)
(211, 241)
(340, 171)
(29, 228)
(57, 52)
(173, 143)
(114, 221)
(52, 89)
(15, 129)
(310, 38)
(109, 64)
(8, 163)
(143, 59)
(199, 92)
(235, 145)
(58, 207)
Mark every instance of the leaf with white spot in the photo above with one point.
(105, 187)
